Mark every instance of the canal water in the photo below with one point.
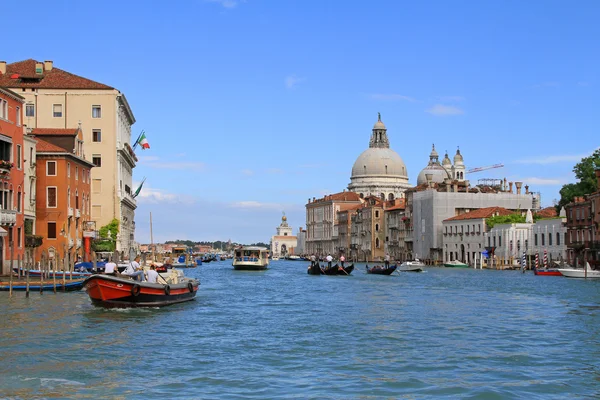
(444, 333)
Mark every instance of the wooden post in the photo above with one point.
(10, 285)
(54, 277)
(41, 278)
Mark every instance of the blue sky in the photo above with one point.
(251, 107)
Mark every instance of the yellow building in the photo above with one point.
(55, 98)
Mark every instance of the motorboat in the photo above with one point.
(456, 264)
(123, 292)
(586, 272)
(411, 266)
(293, 258)
(251, 258)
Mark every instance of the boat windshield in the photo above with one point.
(247, 255)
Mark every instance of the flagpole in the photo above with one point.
(136, 140)
(151, 238)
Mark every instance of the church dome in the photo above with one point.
(458, 158)
(438, 173)
(446, 161)
(379, 161)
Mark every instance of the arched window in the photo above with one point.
(377, 242)
(376, 227)
(68, 197)
(76, 199)
(391, 196)
(362, 196)
(382, 196)
(386, 169)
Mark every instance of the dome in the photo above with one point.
(437, 171)
(446, 160)
(458, 158)
(379, 125)
(379, 161)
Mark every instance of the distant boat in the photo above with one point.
(36, 273)
(586, 272)
(337, 270)
(275, 258)
(293, 258)
(381, 270)
(251, 258)
(456, 264)
(547, 272)
(411, 266)
(70, 285)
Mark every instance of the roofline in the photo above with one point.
(123, 99)
(12, 94)
(66, 154)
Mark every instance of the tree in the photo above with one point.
(585, 172)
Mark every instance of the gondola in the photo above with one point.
(337, 270)
(381, 270)
(314, 269)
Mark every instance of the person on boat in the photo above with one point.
(134, 270)
(342, 259)
(387, 260)
(151, 274)
(110, 268)
(329, 260)
(313, 260)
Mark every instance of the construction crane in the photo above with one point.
(484, 168)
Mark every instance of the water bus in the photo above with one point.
(251, 258)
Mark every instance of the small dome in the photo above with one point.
(458, 158)
(434, 154)
(379, 124)
(446, 160)
(379, 161)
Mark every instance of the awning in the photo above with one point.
(3, 232)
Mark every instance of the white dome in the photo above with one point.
(379, 161)
(437, 171)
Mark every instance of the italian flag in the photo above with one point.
(142, 141)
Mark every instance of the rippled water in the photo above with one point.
(284, 334)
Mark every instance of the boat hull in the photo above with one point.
(110, 292)
(250, 267)
(36, 273)
(407, 267)
(69, 286)
(337, 270)
(580, 273)
(547, 272)
(458, 265)
(381, 270)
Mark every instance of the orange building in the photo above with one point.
(63, 192)
(11, 179)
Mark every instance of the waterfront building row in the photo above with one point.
(68, 138)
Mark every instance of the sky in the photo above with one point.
(252, 107)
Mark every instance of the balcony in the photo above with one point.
(128, 200)
(70, 211)
(78, 242)
(71, 242)
(77, 213)
(8, 217)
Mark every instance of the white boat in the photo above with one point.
(588, 272)
(251, 258)
(275, 258)
(293, 258)
(411, 266)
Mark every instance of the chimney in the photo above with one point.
(518, 185)
(429, 177)
(526, 189)
(2, 67)
(48, 65)
(504, 188)
(510, 187)
(598, 178)
(39, 68)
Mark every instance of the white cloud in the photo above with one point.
(292, 81)
(225, 3)
(441, 110)
(391, 97)
(247, 172)
(551, 159)
(542, 181)
(158, 196)
(253, 205)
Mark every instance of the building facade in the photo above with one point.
(12, 190)
(63, 193)
(284, 243)
(57, 99)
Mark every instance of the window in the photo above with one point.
(376, 214)
(68, 170)
(499, 241)
(18, 119)
(19, 239)
(96, 135)
(51, 230)
(76, 172)
(96, 111)
(97, 160)
(96, 186)
(557, 238)
(51, 197)
(3, 109)
(376, 227)
(30, 110)
(543, 240)
(535, 239)
(19, 156)
(19, 199)
(31, 160)
(57, 110)
(50, 168)
(377, 242)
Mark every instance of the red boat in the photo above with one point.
(112, 291)
(547, 272)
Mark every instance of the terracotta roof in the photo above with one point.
(548, 212)
(22, 75)
(45, 147)
(54, 132)
(481, 213)
(398, 207)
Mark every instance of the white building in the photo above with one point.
(283, 243)
(379, 171)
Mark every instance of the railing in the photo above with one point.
(77, 213)
(8, 217)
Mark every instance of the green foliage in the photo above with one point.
(584, 172)
(112, 227)
(508, 219)
(107, 245)
(28, 226)
(33, 240)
